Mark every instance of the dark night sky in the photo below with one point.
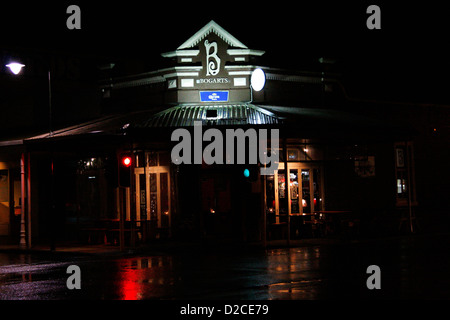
(406, 60)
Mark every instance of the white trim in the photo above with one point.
(183, 71)
(207, 29)
(187, 83)
(197, 68)
(181, 74)
(244, 67)
(240, 82)
(239, 52)
(239, 73)
(180, 53)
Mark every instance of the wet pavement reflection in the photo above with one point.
(410, 268)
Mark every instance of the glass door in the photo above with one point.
(307, 204)
(304, 190)
(293, 200)
(153, 196)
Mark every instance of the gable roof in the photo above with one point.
(212, 26)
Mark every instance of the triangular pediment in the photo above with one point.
(212, 27)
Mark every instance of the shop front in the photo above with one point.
(167, 169)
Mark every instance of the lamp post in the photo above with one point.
(15, 68)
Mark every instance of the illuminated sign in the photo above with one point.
(212, 59)
(212, 80)
(213, 96)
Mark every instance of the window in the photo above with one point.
(404, 174)
(4, 186)
(302, 152)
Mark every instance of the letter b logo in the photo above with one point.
(212, 59)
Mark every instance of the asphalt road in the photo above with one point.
(409, 268)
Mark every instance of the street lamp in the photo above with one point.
(15, 67)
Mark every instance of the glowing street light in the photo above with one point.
(15, 67)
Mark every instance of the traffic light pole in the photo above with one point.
(127, 194)
(121, 203)
(132, 199)
(121, 219)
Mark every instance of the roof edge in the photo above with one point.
(212, 26)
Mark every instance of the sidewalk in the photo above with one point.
(170, 247)
(70, 249)
(179, 247)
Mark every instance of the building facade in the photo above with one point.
(178, 154)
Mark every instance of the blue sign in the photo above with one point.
(213, 96)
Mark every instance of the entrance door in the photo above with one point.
(304, 191)
(153, 199)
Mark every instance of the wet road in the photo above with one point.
(411, 268)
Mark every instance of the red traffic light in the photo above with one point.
(126, 161)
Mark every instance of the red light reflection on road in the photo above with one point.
(145, 277)
(130, 287)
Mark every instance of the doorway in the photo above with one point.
(153, 199)
(294, 202)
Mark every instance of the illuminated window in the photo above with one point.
(401, 188)
(404, 174)
(303, 152)
(293, 155)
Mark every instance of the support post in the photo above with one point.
(23, 242)
(29, 200)
(287, 191)
(264, 211)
